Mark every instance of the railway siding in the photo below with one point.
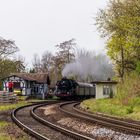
(105, 121)
(81, 125)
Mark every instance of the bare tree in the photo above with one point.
(64, 55)
(66, 50)
(57, 63)
(54, 64)
(7, 47)
(46, 61)
(20, 63)
(36, 63)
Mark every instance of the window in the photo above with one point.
(107, 89)
(16, 85)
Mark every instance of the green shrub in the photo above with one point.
(129, 89)
(129, 110)
(138, 67)
(111, 94)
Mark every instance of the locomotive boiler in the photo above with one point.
(70, 88)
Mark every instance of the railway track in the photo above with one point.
(58, 128)
(21, 116)
(26, 118)
(124, 126)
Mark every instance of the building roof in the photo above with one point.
(37, 77)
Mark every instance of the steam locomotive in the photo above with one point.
(68, 88)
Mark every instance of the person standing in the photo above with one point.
(10, 86)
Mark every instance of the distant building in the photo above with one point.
(105, 89)
(28, 83)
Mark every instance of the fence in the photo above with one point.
(7, 97)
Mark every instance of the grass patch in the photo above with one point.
(9, 106)
(3, 136)
(21, 102)
(3, 124)
(112, 107)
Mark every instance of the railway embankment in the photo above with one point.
(125, 104)
(113, 108)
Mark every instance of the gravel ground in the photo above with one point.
(99, 133)
(24, 116)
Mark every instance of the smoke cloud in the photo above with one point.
(89, 67)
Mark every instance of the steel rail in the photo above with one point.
(107, 118)
(23, 126)
(58, 128)
(101, 121)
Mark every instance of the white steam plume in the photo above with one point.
(89, 67)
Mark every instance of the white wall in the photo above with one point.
(99, 90)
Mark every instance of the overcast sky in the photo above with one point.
(38, 25)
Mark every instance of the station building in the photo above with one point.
(28, 83)
(105, 89)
